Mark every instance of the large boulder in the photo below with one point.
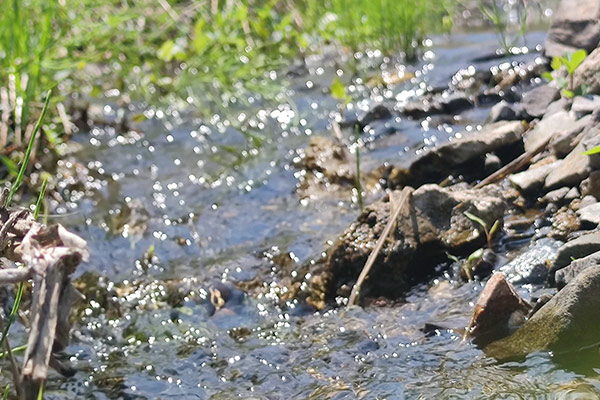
(434, 222)
(576, 25)
(568, 322)
(465, 155)
(588, 73)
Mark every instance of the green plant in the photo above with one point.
(571, 62)
(489, 233)
(595, 150)
(497, 13)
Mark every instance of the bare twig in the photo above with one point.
(513, 166)
(404, 198)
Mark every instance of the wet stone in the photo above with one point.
(591, 185)
(563, 142)
(556, 196)
(378, 112)
(570, 272)
(499, 311)
(503, 111)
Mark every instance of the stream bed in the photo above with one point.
(190, 205)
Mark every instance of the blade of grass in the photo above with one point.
(14, 350)
(21, 174)
(6, 392)
(13, 312)
(38, 204)
(40, 395)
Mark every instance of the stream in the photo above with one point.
(190, 205)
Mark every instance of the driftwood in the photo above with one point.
(48, 256)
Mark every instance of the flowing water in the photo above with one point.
(211, 209)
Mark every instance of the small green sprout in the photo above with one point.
(571, 62)
(489, 233)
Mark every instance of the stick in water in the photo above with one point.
(404, 198)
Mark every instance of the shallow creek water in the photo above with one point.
(212, 205)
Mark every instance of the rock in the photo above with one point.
(572, 194)
(561, 104)
(576, 166)
(378, 112)
(549, 126)
(590, 215)
(445, 103)
(536, 101)
(570, 272)
(555, 196)
(434, 223)
(583, 105)
(455, 102)
(531, 267)
(463, 156)
(564, 222)
(591, 185)
(532, 179)
(491, 163)
(588, 73)
(563, 142)
(568, 322)
(577, 248)
(575, 26)
(496, 311)
(329, 158)
(503, 111)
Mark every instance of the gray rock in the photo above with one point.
(576, 166)
(577, 248)
(590, 215)
(531, 267)
(561, 104)
(583, 105)
(570, 272)
(570, 321)
(434, 223)
(377, 112)
(437, 163)
(563, 142)
(572, 194)
(575, 26)
(503, 111)
(532, 179)
(587, 201)
(547, 127)
(556, 196)
(536, 101)
(453, 103)
(591, 185)
(588, 73)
